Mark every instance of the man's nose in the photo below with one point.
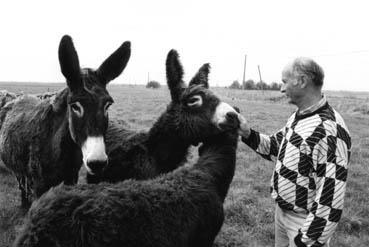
(283, 88)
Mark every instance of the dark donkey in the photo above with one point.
(45, 142)
(193, 115)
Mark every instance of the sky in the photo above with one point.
(270, 33)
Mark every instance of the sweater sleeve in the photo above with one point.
(266, 146)
(332, 156)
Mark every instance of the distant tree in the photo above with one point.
(153, 84)
(235, 85)
(262, 85)
(249, 85)
(275, 86)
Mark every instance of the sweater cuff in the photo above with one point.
(298, 241)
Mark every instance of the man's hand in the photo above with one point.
(244, 129)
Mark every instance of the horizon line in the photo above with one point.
(143, 84)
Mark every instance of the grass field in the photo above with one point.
(249, 209)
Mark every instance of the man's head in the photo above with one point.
(301, 78)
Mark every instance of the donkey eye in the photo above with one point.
(195, 101)
(77, 109)
(107, 105)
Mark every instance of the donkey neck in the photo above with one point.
(166, 146)
(219, 163)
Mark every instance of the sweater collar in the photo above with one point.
(314, 107)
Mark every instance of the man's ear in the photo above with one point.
(303, 81)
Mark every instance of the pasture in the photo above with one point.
(249, 210)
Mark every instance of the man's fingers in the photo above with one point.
(244, 128)
(242, 119)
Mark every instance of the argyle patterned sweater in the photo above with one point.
(313, 153)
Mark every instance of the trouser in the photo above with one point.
(287, 225)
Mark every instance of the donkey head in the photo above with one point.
(88, 100)
(197, 112)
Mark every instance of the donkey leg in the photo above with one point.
(25, 202)
(23, 188)
(23, 192)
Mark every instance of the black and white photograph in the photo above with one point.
(179, 123)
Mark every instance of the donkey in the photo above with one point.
(45, 142)
(5, 97)
(193, 114)
(182, 208)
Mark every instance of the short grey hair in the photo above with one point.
(308, 67)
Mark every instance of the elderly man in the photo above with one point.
(312, 154)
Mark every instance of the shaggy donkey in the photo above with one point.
(182, 208)
(192, 115)
(5, 97)
(45, 142)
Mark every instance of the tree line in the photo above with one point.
(246, 85)
(252, 85)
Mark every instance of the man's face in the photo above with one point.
(291, 86)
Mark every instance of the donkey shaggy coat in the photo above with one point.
(182, 208)
(43, 141)
(192, 115)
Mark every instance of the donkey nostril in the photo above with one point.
(232, 119)
(97, 166)
(231, 115)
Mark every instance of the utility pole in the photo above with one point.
(259, 73)
(148, 77)
(244, 73)
(260, 79)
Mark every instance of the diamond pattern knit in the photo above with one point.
(313, 152)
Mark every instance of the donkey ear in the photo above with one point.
(174, 71)
(69, 63)
(201, 77)
(114, 65)
(59, 102)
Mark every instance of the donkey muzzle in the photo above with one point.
(96, 166)
(220, 116)
(94, 155)
(232, 122)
